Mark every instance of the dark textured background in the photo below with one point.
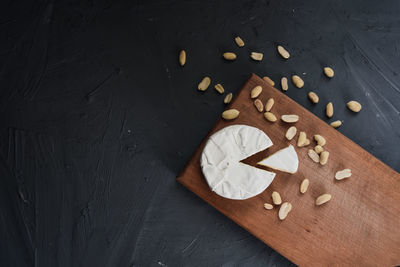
(97, 117)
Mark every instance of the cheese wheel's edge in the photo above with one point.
(278, 169)
(287, 171)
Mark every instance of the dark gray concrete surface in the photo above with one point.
(97, 118)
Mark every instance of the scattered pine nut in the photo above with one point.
(259, 105)
(354, 106)
(346, 173)
(313, 155)
(268, 80)
(322, 199)
(336, 124)
(256, 91)
(297, 81)
(323, 158)
(182, 58)
(290, 118)
(329, 72)
(284, 210)
(302, 139)
(203, 85)
(290, 133)
(219, 88)
(268, 206)
(320, 139)
(276, 198)
(318, 149)
(229, 56)
(269, 104)
(313, 97)
(256, 56)
(329, 110)
(283, 52)
(239, 41)
(228, 98)
(304, 186)
(230, 114)
(284, 84)
(270, 116)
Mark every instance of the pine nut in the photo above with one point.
(320, 139)
(259, 105)
(284, 210)
(228, 98)
(290, 133)
(329, 72)
(297, 81)
(283, 52)
(268, 80)
(270, 116)
(219, 88)
(268, 206)
(318, 149)
(284, 84)
(276, 198)
(203, 85)
(256, 56)
(302, 139)
(336, 124)
(323, 158)
(229, 56)
(346, 173)
(313, 97)
(182, 58)
(322, 199)
(256, 91)
(304, 186)
(313, 155)
(269, 104)
(354, 106)
(329, 110)
(290, 118)
(239, 41)
(230, 114)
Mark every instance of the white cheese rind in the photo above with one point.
(285, 160)
(221, 166)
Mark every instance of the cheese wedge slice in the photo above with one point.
(221, 166)
(285, 160)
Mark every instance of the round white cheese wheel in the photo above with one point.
(221, 166)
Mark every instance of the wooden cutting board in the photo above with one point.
(359, 226)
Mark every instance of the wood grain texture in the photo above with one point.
(359, 226)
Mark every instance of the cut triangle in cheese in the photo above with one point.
(285, 160)
(221, 166)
